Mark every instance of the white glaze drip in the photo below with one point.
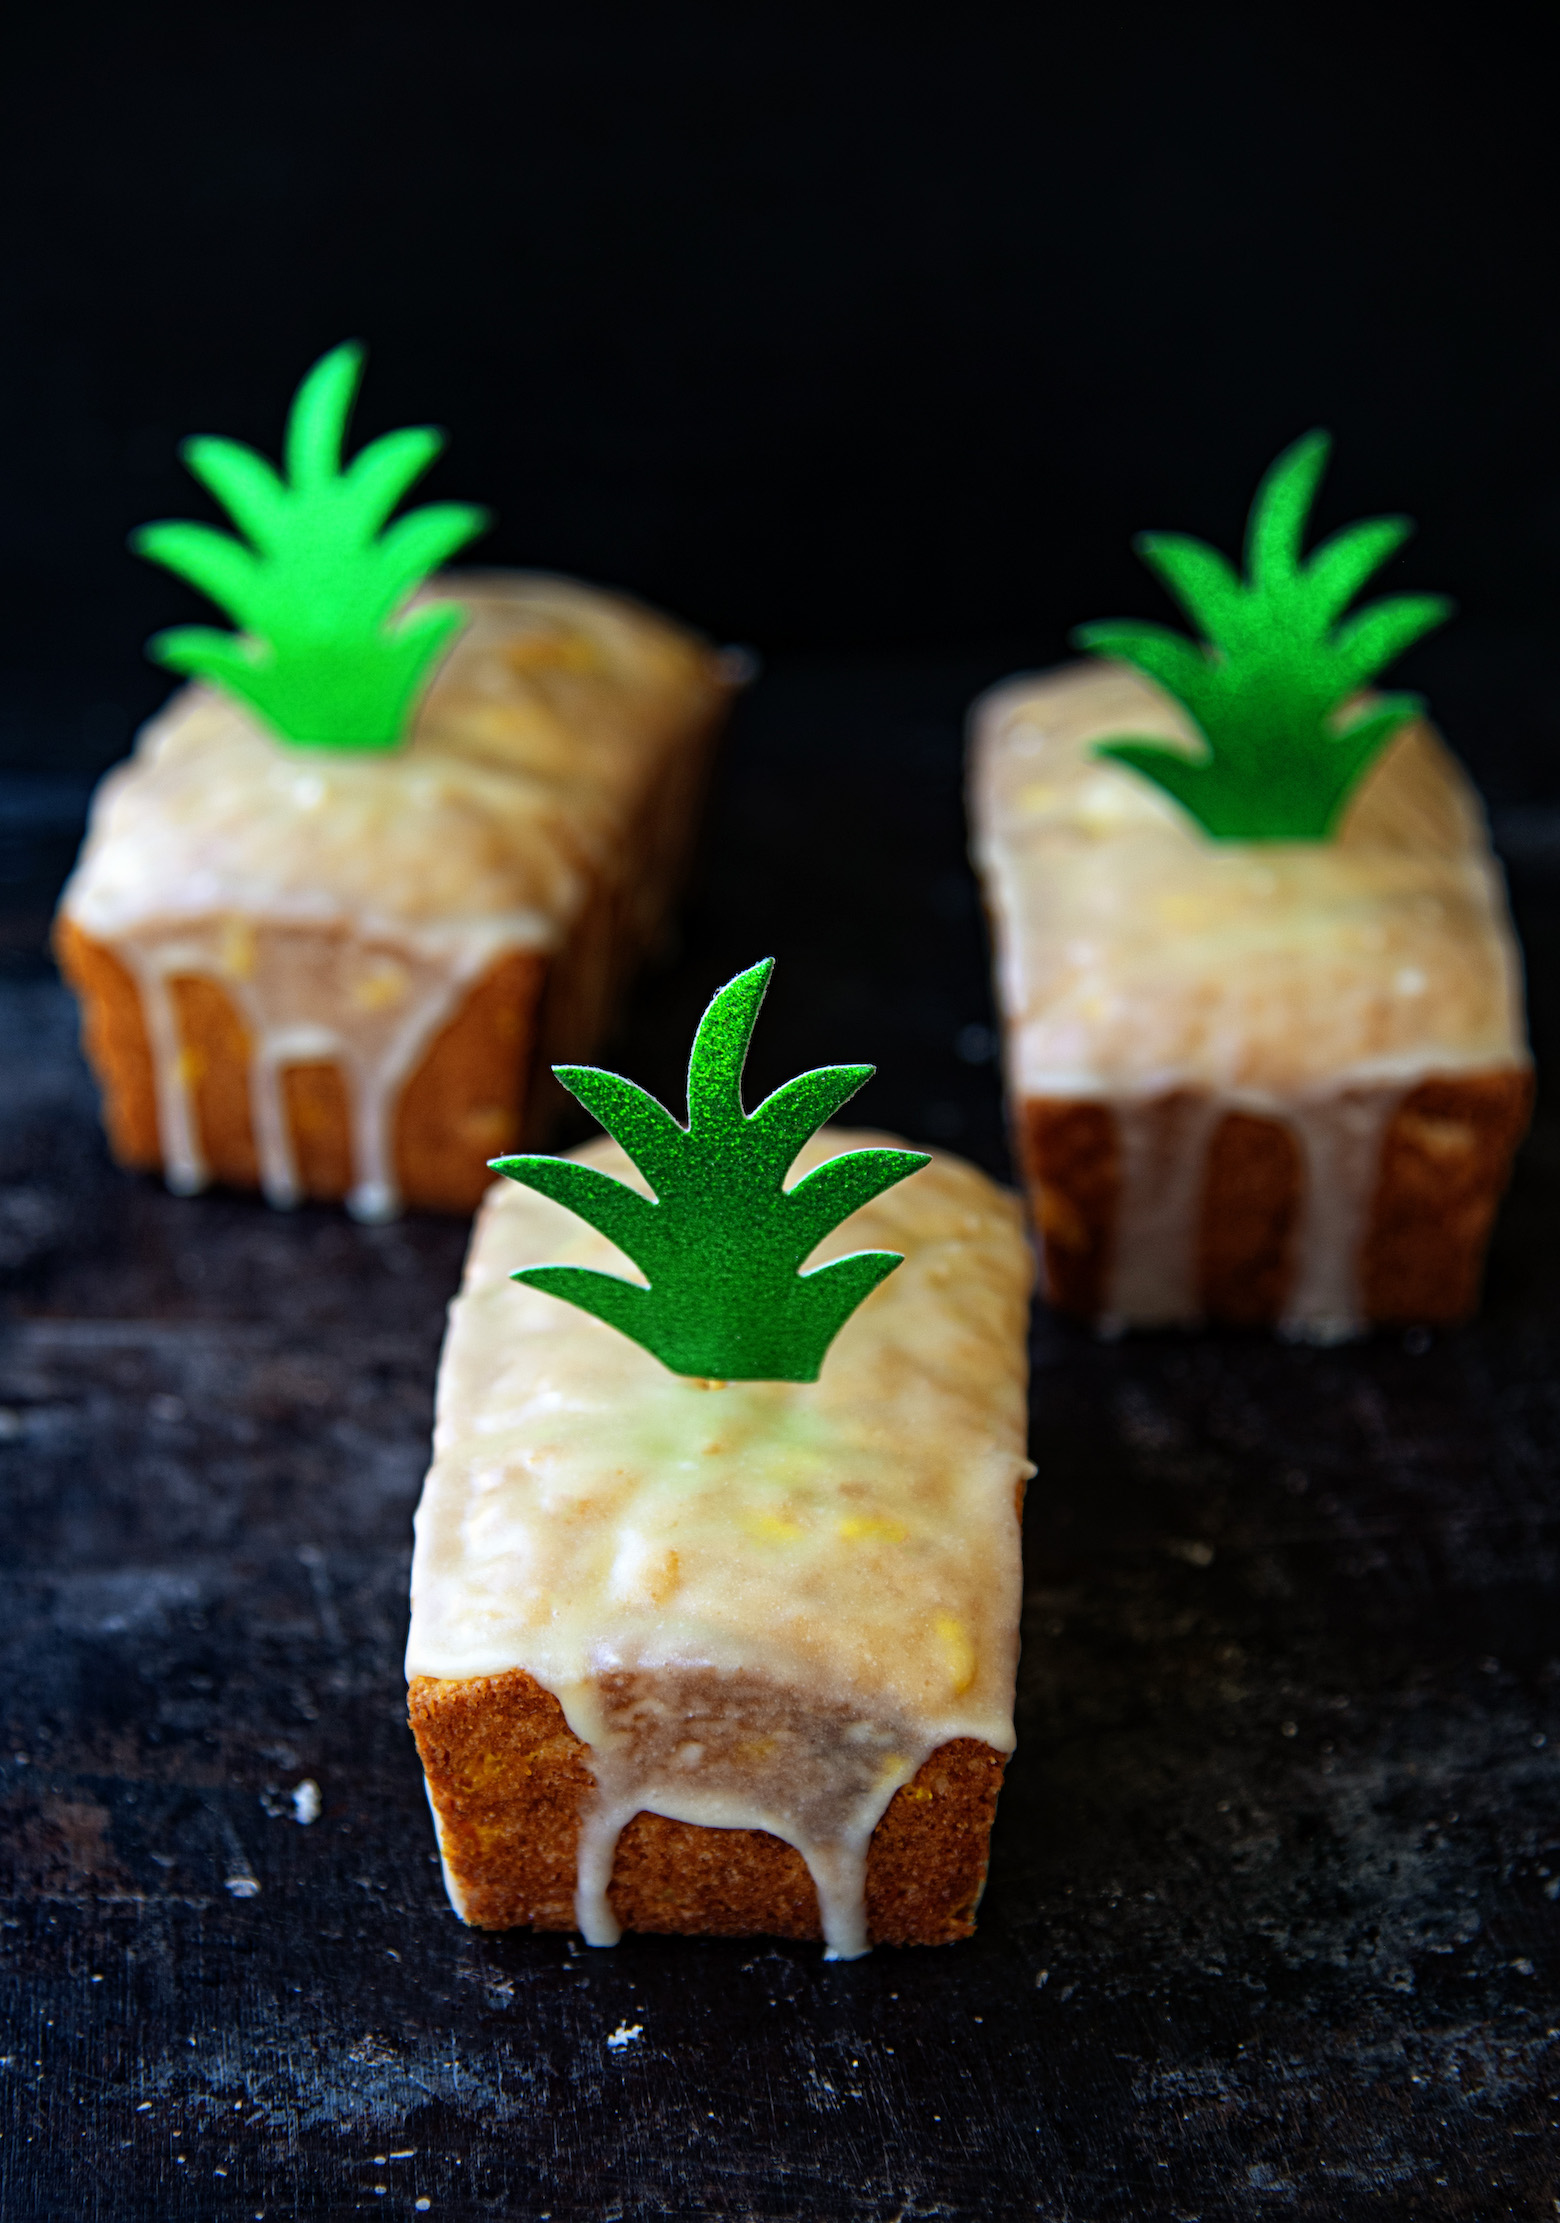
(1340, 1139)
(184, 1163)
(1162, 1147)
(734, 1752)
(272, 1051)
(305, 996)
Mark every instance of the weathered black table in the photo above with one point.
(1272, 1925)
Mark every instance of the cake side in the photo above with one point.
(761, 1608)
(1445, 1160)
(508, 1778)
(337, 974)
(462, 1103)
(1257, 1082)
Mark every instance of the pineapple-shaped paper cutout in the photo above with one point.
(1269, 685)
(723, 1241)
(327, 655)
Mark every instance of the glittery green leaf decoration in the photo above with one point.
(723, 1241)
(1268, 684)
(320, 580)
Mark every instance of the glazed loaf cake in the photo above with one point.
(1262, 1082)
(333, 973)
(738, 1657)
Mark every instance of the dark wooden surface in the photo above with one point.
(1272, 1922)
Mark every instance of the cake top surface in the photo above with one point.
(589, 1512)
(1138, 955)
(558, 706)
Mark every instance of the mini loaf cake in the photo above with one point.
(1275, 1079)
(726, 1657)
(326, 920)
(330, 973)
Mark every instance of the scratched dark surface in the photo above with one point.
(1272, 1922)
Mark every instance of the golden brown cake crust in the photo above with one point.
(1444, 1169)
(508, 1776)
(462, 1105)
(1250, 1208)
(113, 1035)
(1445, 1162)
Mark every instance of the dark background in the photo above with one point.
(866, 336)
(831, 327)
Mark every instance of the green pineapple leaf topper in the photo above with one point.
(724, 1239)
(319, 581)
(1277, 663)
